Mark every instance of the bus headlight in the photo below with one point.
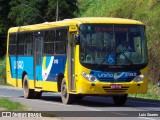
(139, 78)
(89, 77)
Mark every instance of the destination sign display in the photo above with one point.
(110, 29)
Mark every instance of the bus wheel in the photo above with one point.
(65, 96)
(28, 93)
(78, 97)
(120, 100)
(37, 95)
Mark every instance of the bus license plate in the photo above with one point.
(115, 86)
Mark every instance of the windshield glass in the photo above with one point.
(112, 44)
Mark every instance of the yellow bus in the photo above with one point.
(79, 57)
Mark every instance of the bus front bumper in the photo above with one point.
(111, 88)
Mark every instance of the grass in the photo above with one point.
(153, 93)
(10, 105)
(2, 70)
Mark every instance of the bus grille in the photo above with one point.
(118, 80)
(115, 90)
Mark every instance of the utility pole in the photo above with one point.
(57, 12)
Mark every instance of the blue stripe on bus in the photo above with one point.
(20, 64)
(115, 76)
(26, 63)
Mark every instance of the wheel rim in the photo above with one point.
(25, 88)
(64, 90)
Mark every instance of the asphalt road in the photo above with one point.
(89, 108)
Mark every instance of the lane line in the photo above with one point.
(155, 108)
(146, 118)
(92, 109)
(11, 88)
(127, 100)
(15, 88)
(39, 100)
(119, 113)
(61, 104)
(4, 96)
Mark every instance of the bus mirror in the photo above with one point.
(77, 39)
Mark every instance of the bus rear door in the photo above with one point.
(38, 38)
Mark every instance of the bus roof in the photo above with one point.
(74, 21)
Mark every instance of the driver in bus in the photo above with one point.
(123, 46)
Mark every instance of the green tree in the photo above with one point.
(25, 12)
(4, 11)
(66, 9)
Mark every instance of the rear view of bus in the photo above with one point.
(113, 59)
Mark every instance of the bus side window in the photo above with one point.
(60, 43)
(12, 44)
(49, 42)
(28, 44)
(21, 44)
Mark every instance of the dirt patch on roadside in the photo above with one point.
(2, 109)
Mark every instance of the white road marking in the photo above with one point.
(102, 98)
(146, 118)
(4, 96)
(46, 102)
(152, 108)
(91, 109)
(10, 87)
(119, 113)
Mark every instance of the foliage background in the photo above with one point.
(2, 71)
(14, 13)
(24, 12)
(147, 11)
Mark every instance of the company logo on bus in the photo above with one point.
(18, 65)
(105, 75)
(116, 75)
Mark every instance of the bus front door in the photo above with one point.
(38, 61)
(71, 64)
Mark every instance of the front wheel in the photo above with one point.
(120, 100)
(37, 95)
(65, 96)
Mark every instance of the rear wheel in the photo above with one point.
(28, 93)
(65, 96)
(120, 100)
(78, 97)
(37, 95)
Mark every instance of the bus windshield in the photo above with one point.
(113, 44)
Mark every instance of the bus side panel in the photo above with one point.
(18, 66)
(10, 80)
(52, 66)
